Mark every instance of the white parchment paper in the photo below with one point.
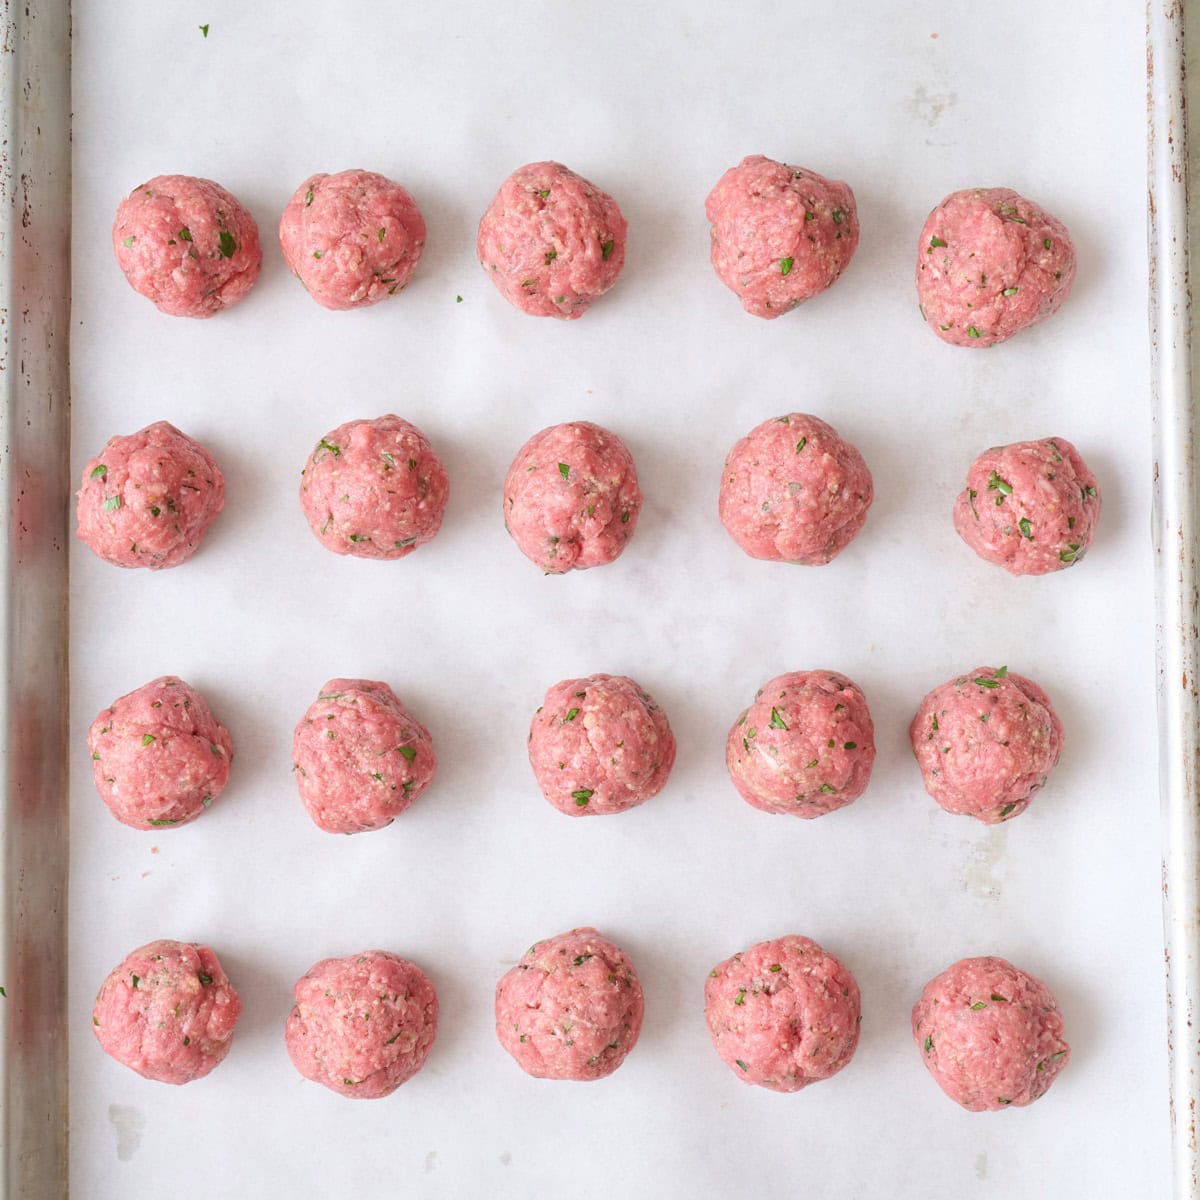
(905, 101)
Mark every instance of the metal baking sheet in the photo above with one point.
(906, 102)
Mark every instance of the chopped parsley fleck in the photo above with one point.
(227, 245)
(741, 1064)
(203, 30)
(161, 821)
(457, 299)
(785, 265)
(801, 444)
(625, 517)
(1046, 243)
(849, 745)
(308, 198)
(1000, 674)
(409, 752)
(972, 332)
(1010, 291)
(204, 979)
(324, 445)
(1007, 809)
(828, 789)
(128, 241)
(935, 243)
(185, 234)
(986, 683)
(99, 472)
(774, 967)
(1026, 529)
(316, 254)
(978, 1005)
(572, 713)
(606, 249)
(1071, 554)
(136, 979)
(837, 215)
(581, 797)
(777, 722)
(740, 998)
(112, 504)
(551, 255)
(928, 1044)
(382, 234)
(996, 484)
(580, 959)
(564, 470)
(1000, 999)
(147, 738)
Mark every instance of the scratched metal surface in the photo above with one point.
(34, 433)
(1174, 516)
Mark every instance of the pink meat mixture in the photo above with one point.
(187, 244)
(167, 1011)
(571, 498)
(353, 238)
(374, 489)
(794, 490)
(359, 758)
(148, 498)
(159, 755)
(571, 1008)
(1030, 507)
(989, 264)
(783, 1014)
(551, 241)
(805, 747)
(600, 745)
(362, 1025)
(780, 234)
(986, 743)
(990, 1034)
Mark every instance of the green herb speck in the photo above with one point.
(1026, 529)
(777, 722)
(740, 998)
(978, 1005)
(581, 797)
(204, 30)
(227, 245)
(409, 752)
(204, 979)
(112, 504)
(564, 470)
(606, 249)
(382, 233)
(972, 332)
(99, 472)
(572, 713)
(1010, 291)
(741, 1064)
(785, 265)
(147, 738)
(935, 243)
(801, 444)
(837, 215)
(136, 979)
(185, 234)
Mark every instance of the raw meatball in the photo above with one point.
(360, 759)
(990, 1034)
(989, 264)
(374, 489)
(187, 245)
(795, 491)
(551, 241)
(1031, 507)
(149, 497)
(159, 756)
(571, 1008)
(600, 745)
(985, 743)
(571, 498)
(783, 1014)
(167, 1012)
(352, 239)
(362, 1025)
(805, 746)
(780, 234)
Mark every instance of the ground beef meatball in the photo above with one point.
(167, 1012)
(985, 743)
(990, 1034)
(159, 756)
(551, 242)
(362, 1025)
(795, 491)
(783, 1014)
(989, 264)
(780, 234)
(352, 239)
(571, 1008)
(571, 497)
(600, 745)
(374, 489)
(804, 747)
(359, 758)
(148, 498)
(187, 245)
(1030, 508)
